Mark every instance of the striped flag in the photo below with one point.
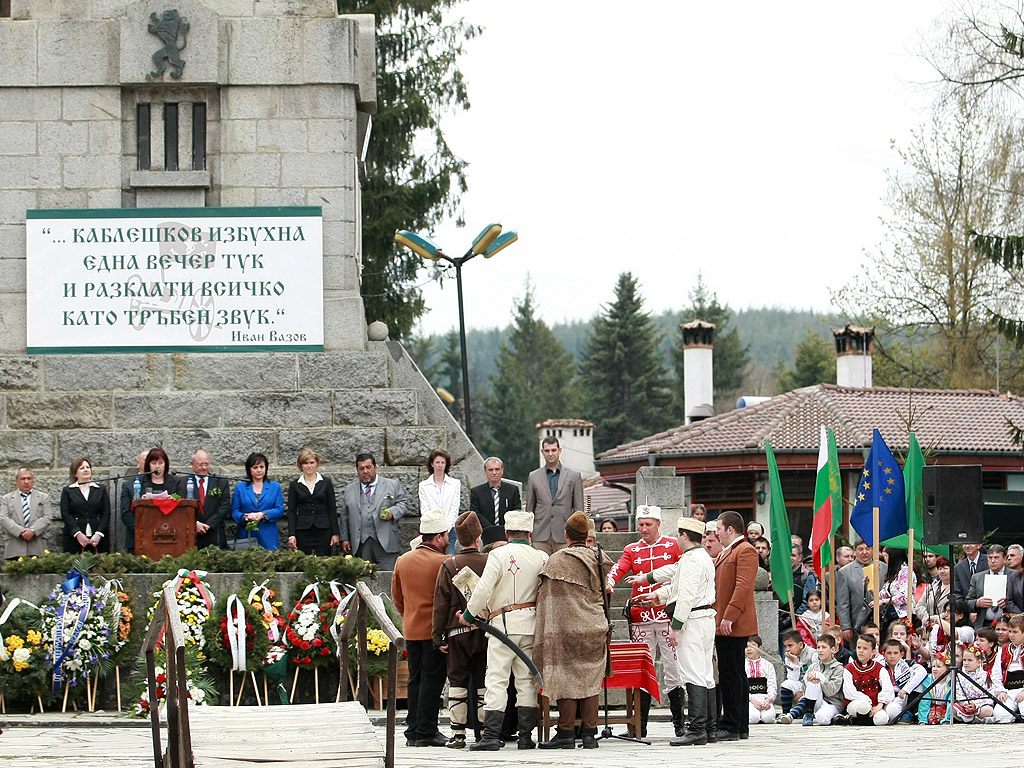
(828, 501)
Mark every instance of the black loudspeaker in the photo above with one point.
(953, 505)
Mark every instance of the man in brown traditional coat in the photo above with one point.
(466, 647)
(572, 634)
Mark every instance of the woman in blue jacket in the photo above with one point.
(258, 500)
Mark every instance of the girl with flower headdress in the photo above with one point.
(934, 708)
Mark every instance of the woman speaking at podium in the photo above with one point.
(258, 501)
(85, 508)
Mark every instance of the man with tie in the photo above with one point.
(491, 500)
(25, 517)
(214, 497)
(964, 571)
(985, 610)
(553, 492)
(372, 507)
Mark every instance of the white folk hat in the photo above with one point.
(518, 520)
(650, 511)
(433, 522)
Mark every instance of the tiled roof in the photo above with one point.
(604, 499)
(945, 420)
(578, 423)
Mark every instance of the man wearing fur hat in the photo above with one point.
(465, 647)
(412, 589)
(506, 596)
(648, 623)
(692, 622)
(572, 634)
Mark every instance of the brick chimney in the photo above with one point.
(855, 344)
(698, 376)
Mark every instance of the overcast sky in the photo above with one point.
(746, 140)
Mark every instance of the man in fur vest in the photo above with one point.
(572, 634)
(466, 647)
(506, 596)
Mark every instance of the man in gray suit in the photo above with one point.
(853, 598)
(25, 517)
(553, 492)
(964, 572)
(981, 607)
(372, 507)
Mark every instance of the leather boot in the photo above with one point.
(645, 712)
(696, 729)
(590, 738)
(711, 714)
(676, 702)
(561, 740)
(527, 722)
(492, 731)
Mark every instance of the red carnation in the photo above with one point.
(161, 678)
(304, 645)
(325, 652)
(249, 646)
(317, 642)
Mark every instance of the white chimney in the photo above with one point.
(855, 345)
(576, 437)
(698, 375)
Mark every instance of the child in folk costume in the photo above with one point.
(866, 685)
(811, 622)
(906, 681)
(934, 708)
(1009, 666)
(988, 641)
(763, 683)
(972, 701)
(823, 698)
(798, 658)
(1002, 628)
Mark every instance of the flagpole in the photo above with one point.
(910, 574)
(832, 585)
(876, 558)
(792, 610)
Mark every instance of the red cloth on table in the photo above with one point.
(166, 505)
(633, 667)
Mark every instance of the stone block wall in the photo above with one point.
(110, 407)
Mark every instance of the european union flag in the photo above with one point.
(881, 485)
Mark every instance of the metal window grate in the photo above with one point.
(199, 136)
(142, 125)
(170, 137)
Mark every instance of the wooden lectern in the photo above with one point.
(157, 534)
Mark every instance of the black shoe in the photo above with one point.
(561, 740)
(712, 737)
(843, 719)
(590, 741)
(696, 738)
(726, 735)
(437, 740)
(410, 742)
(744, 735)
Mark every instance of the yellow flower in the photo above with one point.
(14, 642)
(34, 637)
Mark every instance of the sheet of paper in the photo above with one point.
(995, 586)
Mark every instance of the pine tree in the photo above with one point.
(730, 356)
(622, 374)
(533, 383)
(815, 363)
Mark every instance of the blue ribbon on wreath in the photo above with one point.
(76, 581)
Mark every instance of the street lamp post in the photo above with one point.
(487, 243)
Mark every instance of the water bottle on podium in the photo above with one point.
(190, 488)
(137, 489)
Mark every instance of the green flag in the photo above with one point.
(782, 549)
(913, 489)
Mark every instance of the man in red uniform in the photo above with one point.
(648, 623)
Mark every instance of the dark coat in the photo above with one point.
(481, 501)
(318, 509)
(79, 512)
(214, 511)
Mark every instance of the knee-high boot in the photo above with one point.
(696, 729)
(645, 712)
(492, 730)
(712, 715)
(676, 702)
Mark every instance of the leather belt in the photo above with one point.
(459, 631)
(512, 607)
(701, 608)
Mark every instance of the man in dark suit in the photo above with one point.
(214, 497)
(965, 571)
(553, 492)
(984, 611)
(852, 595)
(491, 500)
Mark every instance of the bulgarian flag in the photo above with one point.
(828, 502)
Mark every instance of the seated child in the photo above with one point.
(906, 679)
(763, 683)
(972, 700)
(988, 641)
(823, 687)
(934, 708)
(1009, 666)
(843, 656)
(866, 685)
(870, 628)
(798, 657)
(1002, 628)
